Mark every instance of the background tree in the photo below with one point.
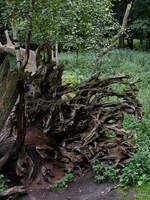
(140, 21)
(75, 24)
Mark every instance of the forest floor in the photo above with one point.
(83, 189)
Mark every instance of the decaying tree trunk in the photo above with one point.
(8, 97)
(12, 84)
(8, 91)
(71, 134)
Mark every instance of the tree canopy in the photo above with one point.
(75, 24)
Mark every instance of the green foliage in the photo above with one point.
(138, 170)
(63, 182)
(104, 171)
(143, 192)
(77, 67)
(3, 184)
(73, 24)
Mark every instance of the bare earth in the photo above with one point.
(83, 189)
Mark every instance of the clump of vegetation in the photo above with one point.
(104, 171)
(3, 184)
(63, 182)
(138, 170)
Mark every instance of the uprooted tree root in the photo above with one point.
(71, 134)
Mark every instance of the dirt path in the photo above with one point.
(83, 189)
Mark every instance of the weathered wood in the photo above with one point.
(72, 131)
(77, 128)
(116, 37)
(8, 91)
(8, 152)
(14, 190)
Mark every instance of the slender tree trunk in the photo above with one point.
(148, 41)
(52, 53)
(141, 43)
(21, 64)
(130, 42)
(9, 42)
(121, 42)
(56, 54)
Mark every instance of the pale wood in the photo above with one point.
(56, 54)
(14, 190)
(116, 37)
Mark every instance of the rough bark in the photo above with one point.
(8, 97)
(13, 190)
(121, 42)
(21, 64)
(8, 91)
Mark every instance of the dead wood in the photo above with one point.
(116, 37)
(68, 134)
(77, 131)
(9, 49)
(8, 91)
(10, 144)
(14, 190)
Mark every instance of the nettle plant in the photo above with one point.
(104, 171)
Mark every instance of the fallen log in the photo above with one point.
(8, 91)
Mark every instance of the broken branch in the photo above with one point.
(116, 37)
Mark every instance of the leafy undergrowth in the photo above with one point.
(104, 171)
(3, 184)
(119, 62)
(63, 182)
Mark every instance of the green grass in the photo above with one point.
(143, 192)
(137, 64)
